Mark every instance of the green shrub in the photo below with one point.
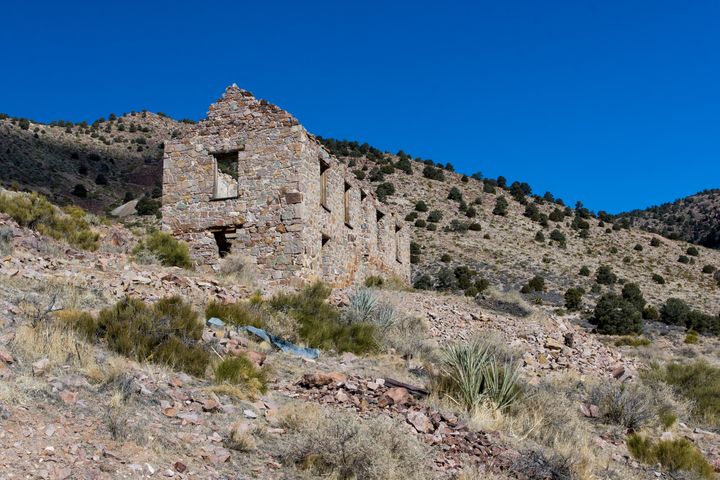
(473, 374)
(435, 216)
(166, 333)
(650, 313)
(573, 298)
(631, 292)
(692, 337)
(616, 316)
(584, 271)
(535, 284)
(481, 284)
(320, 322)
(683, 259)
(488, 187)
(674, 312)
(375, 281)
(475, 227)
(167, 248)
(423, 282)
(673, 455)
(148, 206)
(708, 269)
(558, 236)
(410, 217)
(698, 381)
(692, 251)
(384, 190)
(501, 206)
(455, 194)
(433, 173)
(605, 276)
(432, 227)
(420, 223)
(36, 212)
(659, 279)
(638, 248)
(421, 206)
(539, 237)
(654, 242)
(632, 341)
(445, 258)
(237, 314)
(240, 370)
(79, 191)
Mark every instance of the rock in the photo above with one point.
(341, 396)
(179, 466)
(68, 397)
(211, 405)
(249, 413)
(553, 344)
(589, 410)
(420, 421)
(569, 339)
(318, 379)
(619, 371)
(6, 357)
(215, 323)
(398, 395)
(40, 366)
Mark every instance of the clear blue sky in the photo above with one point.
(616, 103)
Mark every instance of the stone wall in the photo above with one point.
(277, 218)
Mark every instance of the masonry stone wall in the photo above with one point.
(295, 223)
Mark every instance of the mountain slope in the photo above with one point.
(502, 249)
(695, 218)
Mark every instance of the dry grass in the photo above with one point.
(549, 416)
(239, 268)
(60, 345)
(334, 444)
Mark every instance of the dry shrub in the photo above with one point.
(238, 314)
(6, 241)
(335, 444)
(242, 437)
(409, 337)
(60, 345)
(549, 416)
(630, 405)
(239, 268)
(240, 370)
(120, 421)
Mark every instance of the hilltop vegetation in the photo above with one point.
(695, 218)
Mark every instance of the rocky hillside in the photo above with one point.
(695, 218)
(98, 166)
(461, 225)
(94, 165)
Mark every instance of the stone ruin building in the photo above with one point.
(250, 178)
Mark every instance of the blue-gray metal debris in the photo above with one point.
(216, 323)
(284, 345)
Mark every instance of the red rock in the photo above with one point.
(618, 371)
(589, 410)
(68, 397)
(211, 405)
(420, 421)
(169, 411)
(6, 357)
(180, 467)
(318, 379)
(397, 396)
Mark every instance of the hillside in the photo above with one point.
(109, 159)
(127, 152)
(118, 359)
(504, 250)
(695, 218)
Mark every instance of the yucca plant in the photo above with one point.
(472, 375)
(362, 304)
